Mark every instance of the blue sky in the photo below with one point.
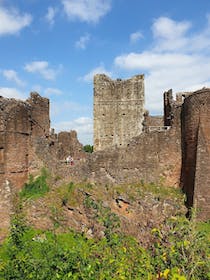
(55, 47)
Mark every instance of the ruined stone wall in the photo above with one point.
(172, 109)
(25, 140)
(69, 145)
(196, 151)
(168, 107)
(25, 146)
(14, 139)
(39, 111)
(152, 121)
(14, 153)
(118, 110)
(151, 157)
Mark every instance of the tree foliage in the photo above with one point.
(88, 148)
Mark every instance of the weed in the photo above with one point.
(36, 187)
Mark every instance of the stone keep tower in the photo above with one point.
(118, 110)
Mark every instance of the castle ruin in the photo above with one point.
(130, 145)
(26, 145)
(174, 148)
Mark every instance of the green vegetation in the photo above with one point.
(179, 249)
(88, 148)
(36, 187)
(109, 220)
(181, 252)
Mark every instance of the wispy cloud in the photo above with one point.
(12, 76)
(12, 21)
(42, 68)
(176, 59)
(98, 70)
(82, 42)
(86, 10)
(50, 16)
(52, 91)
(11, 93)
(136, 36)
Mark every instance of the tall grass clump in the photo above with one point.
(36, 186)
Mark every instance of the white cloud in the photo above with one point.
(170, 35)
(176, 59)
(11, 21)
(86, 10)
(12, 75)
(165, 27)
(83, 41)
(134, 37)
(50, 16)
(98, 70)
(11, 93)
(83, 126)
(150, 60)
(52, 91)
(42, 68)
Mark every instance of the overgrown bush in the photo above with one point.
(179, 253)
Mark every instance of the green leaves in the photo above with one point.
(88, 148)
(181, 253)
(36, 187)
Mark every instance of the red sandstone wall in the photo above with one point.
(15, 142)
(69, 145)
(14, 150)
(196, 151)
(152, 157)
(155, 121)
(40, 122)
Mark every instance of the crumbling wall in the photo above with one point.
(118, 110)
(25, 146)
(152, 121)
(172, 108)
(14, 140)
(14, 152)
(39, 115)
(196, 151)
(151, 157)
(69, 145)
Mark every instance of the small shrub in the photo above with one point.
(104, 216)
(36, 187)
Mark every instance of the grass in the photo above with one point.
(35, 187)
(205, 228)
